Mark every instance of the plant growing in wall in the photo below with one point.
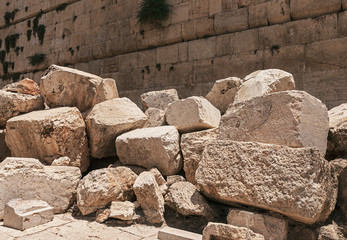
(37, 59)
(154, 11)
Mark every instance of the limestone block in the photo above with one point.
(27, 178)
(160, 180)
(102, 215)
(108, 120)
(340, 166)
(290, 118)
(232, 21)
(159, 99)
(264, 82)
(313, 8)
(23, 214)
(192, 145)
(262, 175)
(25, 86)
(168, 233)
(337, 138)
(4, 151)
(230, 232)
(278, 11)
(258, 15)
(223, 93)
(63, 86)
(122, 210)
(149, 197)
(49, 134)
(272, 228)
(192, 114)
(156, 117)
(151, 147)
(102, 186)
(174, 179)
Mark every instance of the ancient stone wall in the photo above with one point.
(202, 41)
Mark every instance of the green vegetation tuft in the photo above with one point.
(37, 59)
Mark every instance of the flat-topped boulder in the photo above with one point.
(337, 140)
(159, 99)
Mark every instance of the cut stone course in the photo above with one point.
(159, 99)
(337, 139)
(4, 150)
(156, 117)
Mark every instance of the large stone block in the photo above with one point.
(4, 151)
(159, 99)
(232, 21)
(313, 8)
(290, 118)
(340, 166)
(156, 117)
(49, 134)
(337, 139)
(151, 147)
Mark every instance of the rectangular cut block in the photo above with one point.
(233, 21)
(169, 233)
(313, 8)
(228, 232)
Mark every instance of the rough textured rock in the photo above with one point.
(151, 147)
(296, 182)
(174, 179)
(13, 104)
(23, 214)
(4, 150)
(264, 82)
(330, 232)
(150, 198)
(160, 180)
(272, 228)
(102, 215)
(159, 99)
(102, 186)
(290, 118)
(62, 86)
(156, 117)
(337, 139)
(108, 120)
(302, 232)
(223, 93)
(62, 161)
(229, 232)
(27, 178)
(49, 134)
(340, 166)
(122, 210)
(25, 86)
(192, 114)
(192, 145)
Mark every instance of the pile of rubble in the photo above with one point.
(254, 146)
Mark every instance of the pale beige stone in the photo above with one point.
(108, 120)
(63, 86)
(340, 166)
(102, 186)
(174, 179)
(160, 180)
(151, 147)
(330, 232)
(50, 134)
(192, 114)
(62, 161)
(102, 215)
(4, 151)
(337, 139)
(169, 233)
(122, 210)
(156, 117)
(290, 118)
(159, 99)
(264, 82)
(273, 177)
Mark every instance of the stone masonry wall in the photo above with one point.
(202, 41)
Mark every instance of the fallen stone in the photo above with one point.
(23, 214)
(160, 180)
(25, 86)
(264, 82)
(223, 93)
(63, 86)
(49, 134)
(108, 120)
(122, 210)
(337, 139)
(174, 179)
(192, 145)
(150, 198)
(159, 99)
(100, 187)
(340, 166)
(330, 232)
(156, 117)
(168, 233)
(272, 228)
(102, 215)
(62, 161)
(4, 151)
(290, 118)
(192, 114)
(27, 178)
(296, 182)
(151, 147)
(229, 232)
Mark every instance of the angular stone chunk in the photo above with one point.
(192, 114)
(160, 180)
(63, 86)
(340, 166)
(296, 182)
(122, 210)
(159, 99)
(226, 231)
(149, 197)
(156, 117)
(337, 139)
(50, 134)
(264, 82)
(192, 145)
(102, 186)
(27, 178)
(4, 151)
(108, 120)
(223, 93)
(25, 86)
(23, 214)
(272, 228)
(290, 118)
(151, 147)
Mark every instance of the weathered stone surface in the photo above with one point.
(151, 147)
(264, 82)
(50, 134)
(290, 118)
(150, 198)
(330, 232)
(272, 228)
(192, 114)
(102, 186)
(229, 232)
(160, 180)
(337, 138)
(223, 93)
(313, 8)
(340, 166)
(25, 86)
(296, 182)
(63, 86)
(192, 145)
(156, 117)
(23, 214)
(159, 99)
(108, 120)
(13, 104)
(102, 215)
(4, 150)
(174, 179)
(168, 233)
(62, 161)
(27, 178)
(122, 210)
